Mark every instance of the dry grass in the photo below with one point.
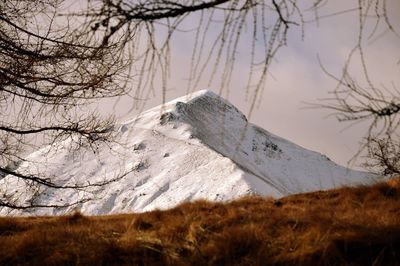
(349, 226)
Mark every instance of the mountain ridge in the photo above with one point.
(196, 146)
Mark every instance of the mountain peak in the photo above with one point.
(196, 94)
(205, 100)
(193, 115)
(204, 107)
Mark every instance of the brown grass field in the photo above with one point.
(347, 226)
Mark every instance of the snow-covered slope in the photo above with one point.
(197, 146)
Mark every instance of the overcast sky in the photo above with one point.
(296, 78)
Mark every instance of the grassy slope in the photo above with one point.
(355, 226)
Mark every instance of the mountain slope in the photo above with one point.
(197, 146)
(347, 226)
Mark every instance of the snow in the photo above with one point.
(195, 147)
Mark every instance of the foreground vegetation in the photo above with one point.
(348, 226)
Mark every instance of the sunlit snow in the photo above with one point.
(196, 147)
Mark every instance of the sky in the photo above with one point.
(296, 78)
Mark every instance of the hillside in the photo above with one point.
(196, 147)
(348, 226)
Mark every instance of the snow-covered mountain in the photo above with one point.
(197, 146)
